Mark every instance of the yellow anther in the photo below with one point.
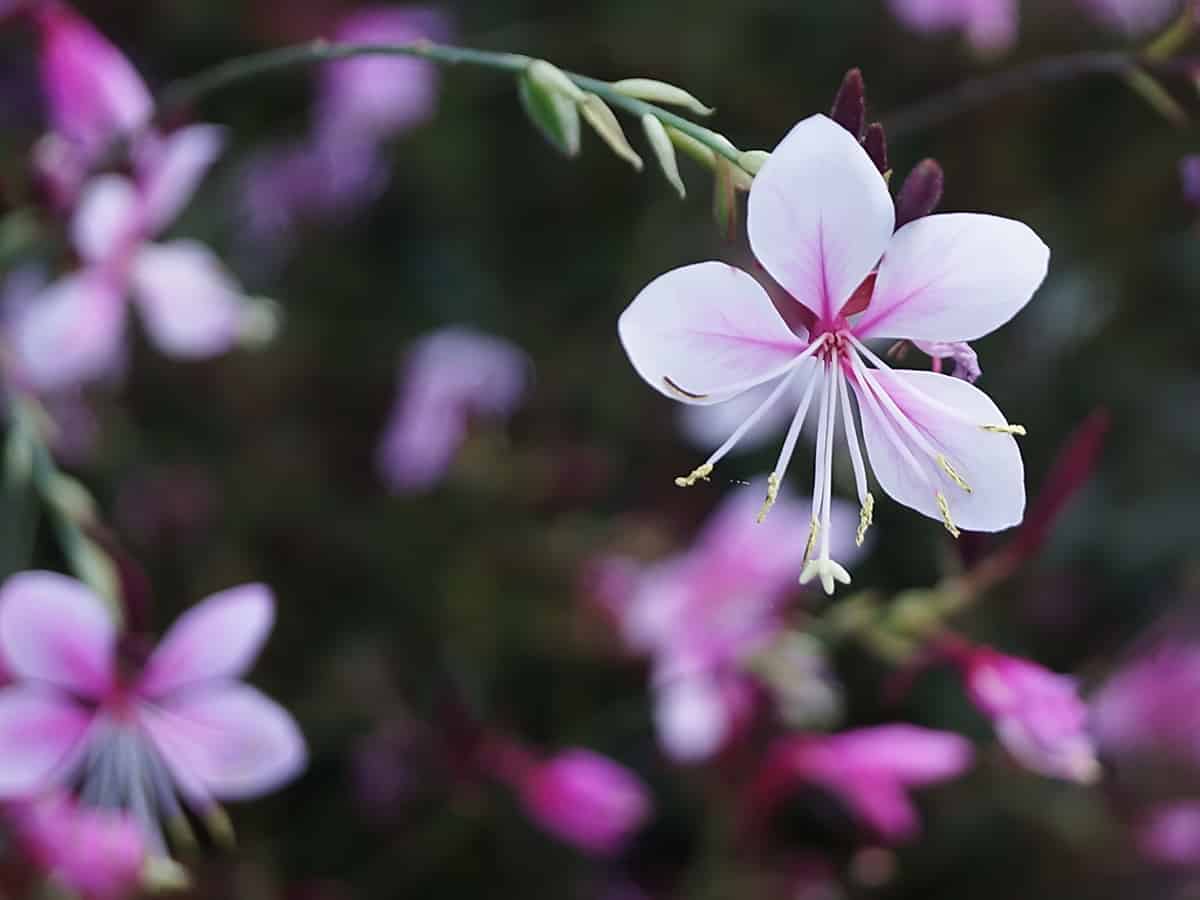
(772, 496)
(700, 474)
(944, 507)
(953, 473)
(1018, 430)
(865, 518)
(812, 540)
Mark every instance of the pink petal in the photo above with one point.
(218, 638)
(231, 741)
(950, 413)
(954, 277)
(692, 717)
(107, 218)
(53, 629)
(190, 304)
(40, 733)
(172, 168)
(820, 215)
(909, 754)
(72, 334)
(708, 328)
(883, 805)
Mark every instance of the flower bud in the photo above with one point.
(551, 78)
(660, 142)
(585, 799)
(554, 113)
(921, 192)
(94, 95)
(875, 144)
(604, 122)
(661, 92)
(850, 105)
(693, 148)
(725, 205)
(753, 160)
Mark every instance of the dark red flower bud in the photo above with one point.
(850, 104)
(921, 192)
(876, 146)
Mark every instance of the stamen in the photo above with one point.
(865, 518)
(772, 496)
(953, 473)
(813, 531)
(700, 474)
(944, 507)
(856, 459)
(1018, 430)
(789, 443)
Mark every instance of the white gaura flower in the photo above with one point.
(821, 222)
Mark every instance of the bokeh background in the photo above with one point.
(401, 615)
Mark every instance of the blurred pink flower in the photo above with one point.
(138, 737)
(97, 854)
(586, 800)
(871, 769)
(1038, 715)
(1170, 834)
(1148, 708)
(449, 377)
(703, 614)
(1135, 17)
(94, 94)
(820, 222)
(190, 304)
(990, 26)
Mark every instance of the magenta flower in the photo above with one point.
(990, 26)
(94, 94)
(96, 854)
(449, 377)
(183, 725)
(1038, 715)
(1170, 834)
(871, 769)
(586, 800)
(821, 222)
(190, 304)
(704, 614)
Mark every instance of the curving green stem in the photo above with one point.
(245, 68)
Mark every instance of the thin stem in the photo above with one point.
(1055, 70)
(246, 68)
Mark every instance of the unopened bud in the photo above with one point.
(552, 78)
(553, 112)
(260, 321)
(753, 160)
(161, 874)
(875, 144)
(921, 192)
(693, 148)
(850, 105)
(661, 92)
(18, 458)
(604, 121)
(70, 499)
(660, 142)
(725, 204)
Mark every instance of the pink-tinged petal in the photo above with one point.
(950, 413)
(692, 717)
(107, 219)
(72, 334)
(220, 637)
(230, 742)
(94, 95)
(586, 799)
(954, 277)
(40, 733)
(54, 629)
(820, 215)
(171, 168)
(190, 304)
(706, 332)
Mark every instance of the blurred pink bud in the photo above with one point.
(449, 377)
(585, 799)
(373, 98)
(1189, 175)
(93, 92)
(1134, 17)
(97, 854)
(1170, 834)
(1038, 715)
(966, 363)
(990, 26)
(871, 769)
